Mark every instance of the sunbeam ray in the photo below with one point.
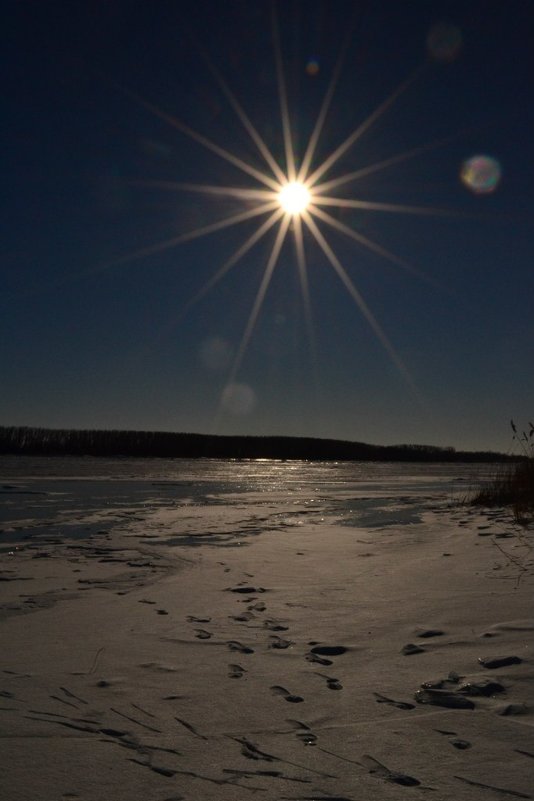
(361, 129)
(284, 109)
(234, 258)
(221, 272)
(384, 164)
(303, 274)
(190, 235)
(305, 289)
(260, 296)
(357, 297)
(395, 208)
(317, 130)
(243, 116)
(373, 246)
(207, 189)
(203, 140)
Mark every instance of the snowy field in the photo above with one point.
(208, 631)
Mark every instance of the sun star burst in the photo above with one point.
(293, 199)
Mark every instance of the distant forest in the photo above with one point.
(161, 444)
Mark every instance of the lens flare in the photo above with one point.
(294, 197)
(312, 67)
(238, 399)
(481, 174)
(444, 42)
(216, 354)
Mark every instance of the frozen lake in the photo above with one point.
(72, 498)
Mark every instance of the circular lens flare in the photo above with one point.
(481, 174)
(294, 198)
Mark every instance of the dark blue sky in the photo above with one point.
(90, 338)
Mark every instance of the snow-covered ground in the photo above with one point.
(213, 630)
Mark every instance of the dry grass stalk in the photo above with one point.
(513, 485)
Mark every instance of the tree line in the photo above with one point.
(34, 441)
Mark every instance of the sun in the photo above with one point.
(294, 198)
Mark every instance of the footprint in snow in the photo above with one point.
(286, 695)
